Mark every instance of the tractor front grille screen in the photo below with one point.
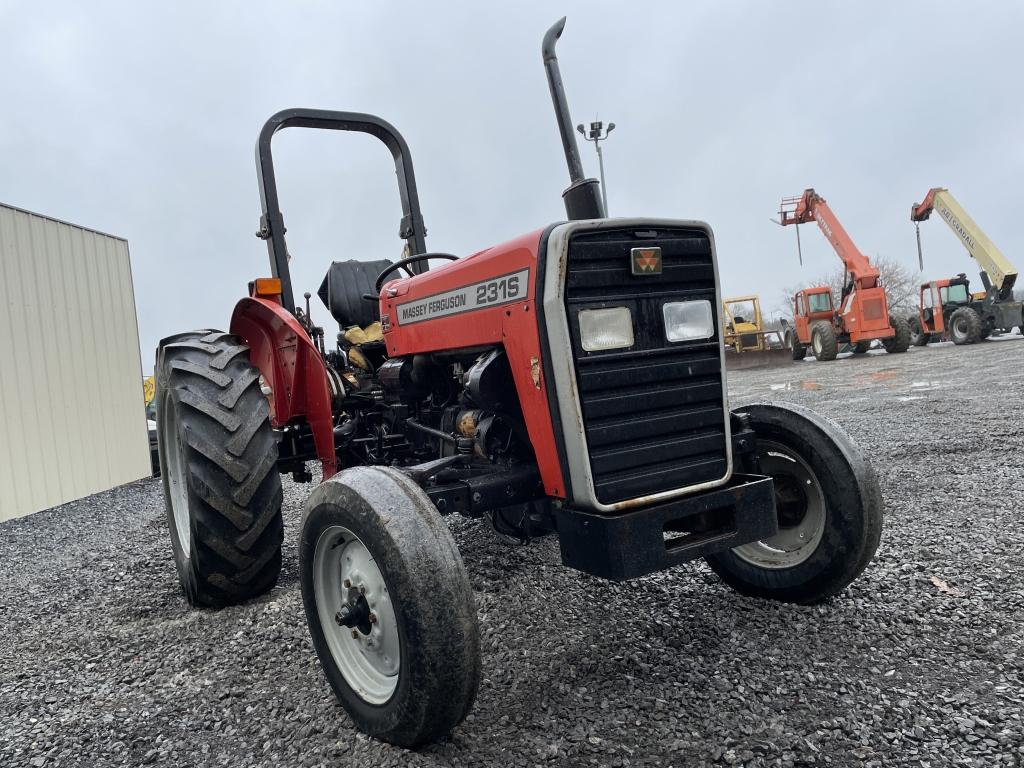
(653, 413)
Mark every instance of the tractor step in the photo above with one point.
(631, 544)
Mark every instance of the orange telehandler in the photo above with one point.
(863, 313)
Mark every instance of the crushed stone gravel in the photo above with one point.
(919, 663)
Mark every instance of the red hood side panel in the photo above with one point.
(480, 301)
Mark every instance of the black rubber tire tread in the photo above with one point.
(829, 342)
(918, 336)
(439, 673)
(793, 342)
(972, 326)
(230, 454)
(900, 342)
(861, 347)
(854, 510)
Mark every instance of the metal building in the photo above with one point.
(72, 419)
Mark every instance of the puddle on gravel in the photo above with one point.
(790, 386)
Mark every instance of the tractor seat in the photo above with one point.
(343, 288)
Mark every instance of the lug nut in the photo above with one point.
(373, 618)
(355, 634)
(347, 583)
(342, 616)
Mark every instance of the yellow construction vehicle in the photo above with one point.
(747, 343)
(966, 318)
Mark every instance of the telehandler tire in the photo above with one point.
(900, 342)
(218, 461)
(798, 349)
(918, 336)
(965, 326)
(828, 503)
(389, 606)
(824, 344)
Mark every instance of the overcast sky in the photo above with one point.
(140, 119)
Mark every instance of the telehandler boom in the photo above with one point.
(976, 316)
(863, 314)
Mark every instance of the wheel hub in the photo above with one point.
(799, 504)
(790, 502)
(356, 615)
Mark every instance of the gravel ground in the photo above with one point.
(918, 663)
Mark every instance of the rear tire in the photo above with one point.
(829, 507)
(824, 344)
(372, 541)
(918, 336)
(900, 342)
(798, 349)
(218, 462)
(965, 326)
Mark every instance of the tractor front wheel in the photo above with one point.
(829, 509)
(824, 343)
(389, 606)
(965, 326)
(900, 340)
(218, 461)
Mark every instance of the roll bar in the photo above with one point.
(272, 227)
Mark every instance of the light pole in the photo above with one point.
(597, 134)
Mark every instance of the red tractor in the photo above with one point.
(568, 382)
(863, 313)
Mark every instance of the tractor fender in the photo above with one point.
(292, 367)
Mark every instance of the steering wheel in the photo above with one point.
(403, 264)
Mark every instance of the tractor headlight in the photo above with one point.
(606, 328)
(688, 320)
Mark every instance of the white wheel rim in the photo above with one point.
(177, 483)
(817, 344)
(344, 572)
(793, 544)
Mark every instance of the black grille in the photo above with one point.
(653, 414)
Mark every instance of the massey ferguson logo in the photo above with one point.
(646, 261)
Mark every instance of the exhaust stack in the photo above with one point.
(583, 196)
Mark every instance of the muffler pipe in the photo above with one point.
(583, 196)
